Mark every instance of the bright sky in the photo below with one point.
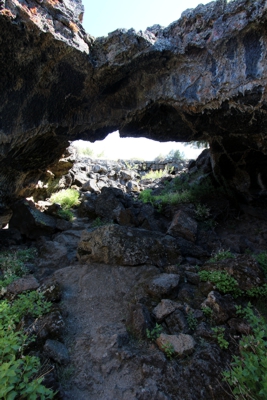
(104, 16)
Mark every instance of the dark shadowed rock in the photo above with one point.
(57, 351)
(223, 307)
(165, 308)
(163, 285)
(114, 244)
(20, 285)
(183, 226)
(138, 321)
(30, 221)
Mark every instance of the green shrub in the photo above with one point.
(154, 333)
(259, 291)
(12, 265)
(156, 174)
(224, 282)
(168, 350)
(247, 376)
(67, 198)
(221, 255)
(66, 214)
(191, 320)
(219, 333)
(202, 212)
(18, 372)
(262, 260)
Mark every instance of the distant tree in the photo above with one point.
(175, 155)
(200, 144)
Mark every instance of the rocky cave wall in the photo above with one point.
(201, 78)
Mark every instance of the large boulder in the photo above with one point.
(30, 221)
(114, 244)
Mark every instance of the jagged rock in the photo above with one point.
(223, 307)
(111, 201)
(215, 99)
(163, 285)
(165, 308)
(28, 282)
(30, 221)
(87, 206)
(177, 323)
(49, 326)
(138, 321)
(57, 351)
(113, 244)
(182, 345)
(183, 226)
(91, 186)
(51, 290)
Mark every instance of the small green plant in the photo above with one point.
(168, 350)
(207, 311)
(67, 198)
(247, 375)
(191, 320)
(19, 378)
(221, 255)
(154, 333)
(219, 333)
(98, 222)
(66, 214)
(224, 282)
(156, 174)
(259, 291)
(12, 265)
(202, 212)
(262, 260)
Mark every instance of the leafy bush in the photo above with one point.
(154, 333)
(66, 214)
(67, 198)
(247, 376)
(156, 174)
(19, 372)
(12, 265)
(224, 282)
(178, 191)
(259, 291)
(191, 320)
(202, 212)
(168, 350)
(262, 260)
(221, 255)
(219, 333)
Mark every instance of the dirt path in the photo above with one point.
(95, 300)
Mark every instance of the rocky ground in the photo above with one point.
(130, 317)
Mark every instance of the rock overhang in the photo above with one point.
(201, 78)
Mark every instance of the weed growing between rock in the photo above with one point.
(247, 376)
(191, 320)
(224, 282)
(221, 255)
(154, 333)
(219, 334)
(12, 266)
(262, 260)
(66, 214)
(168, 350)
(67, 198)
(19, 374)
